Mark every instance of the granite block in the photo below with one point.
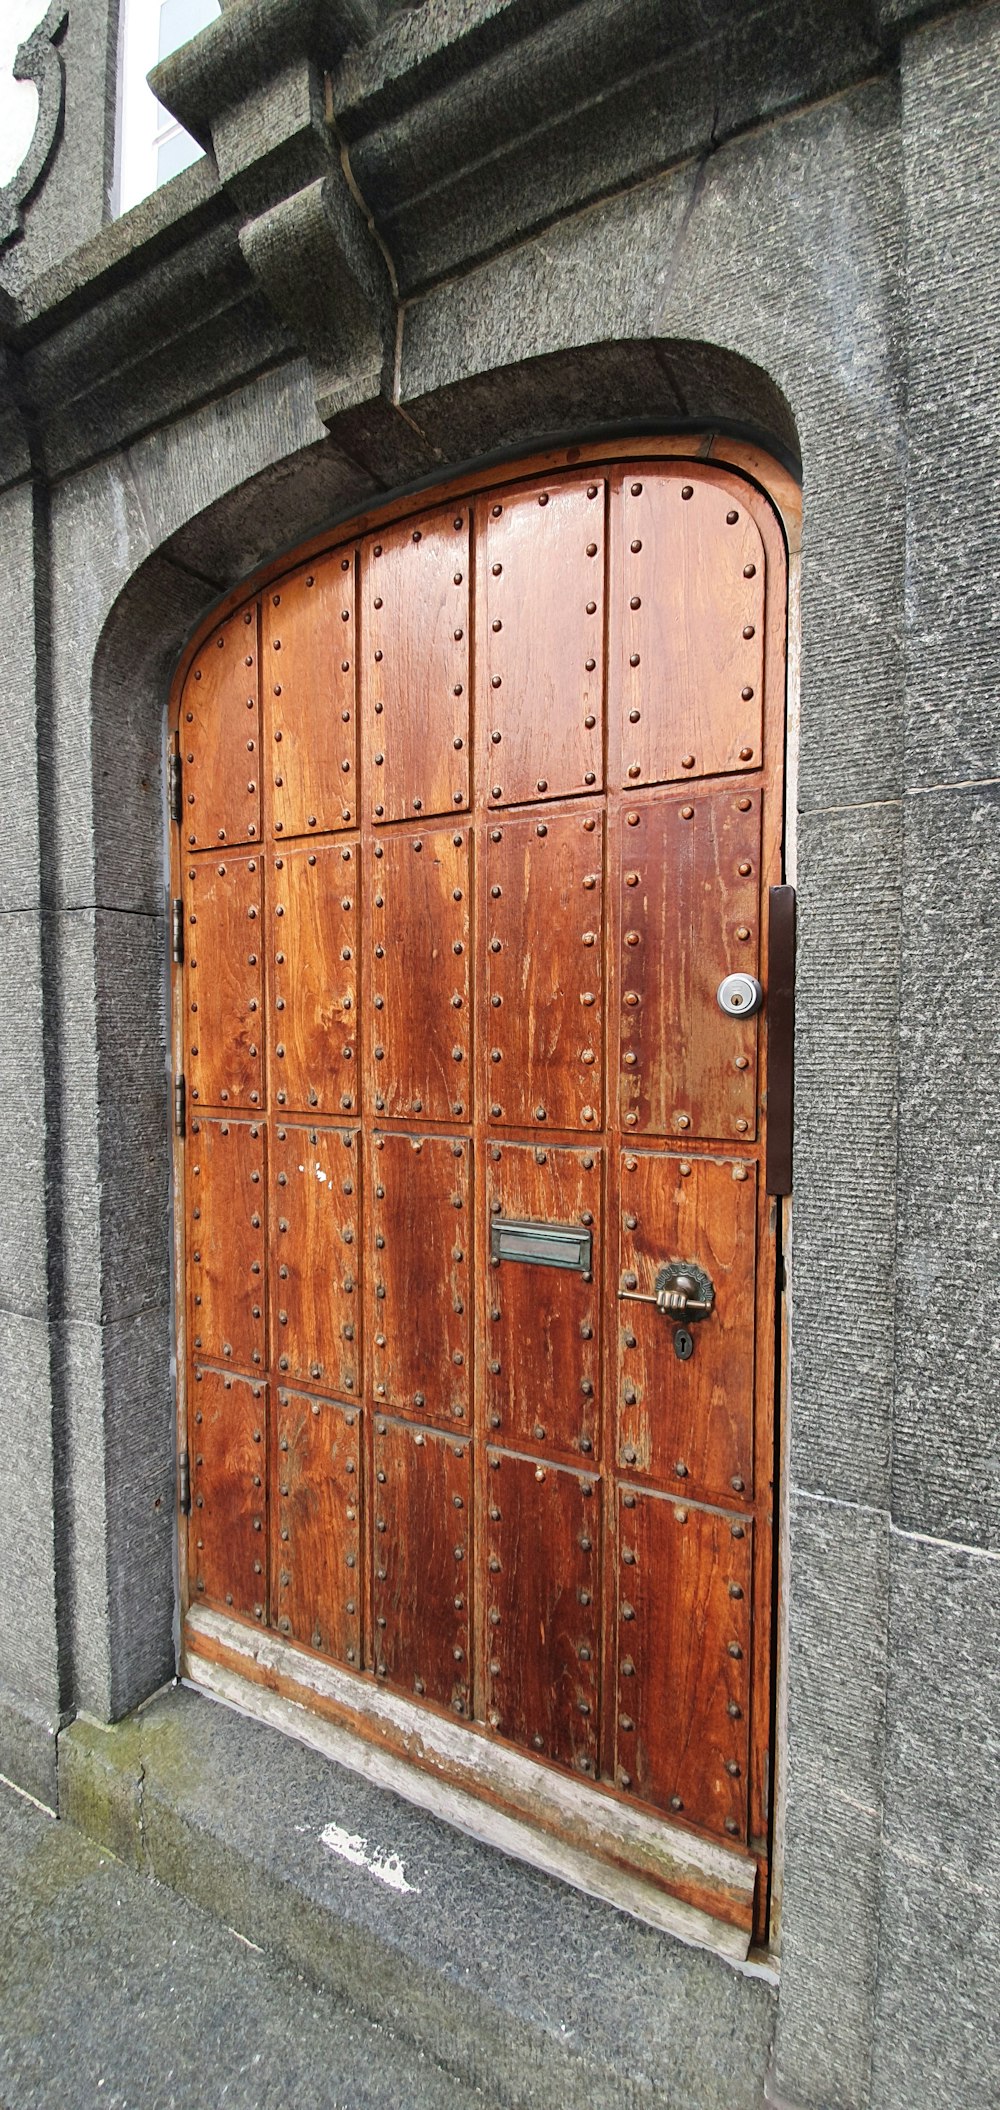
(29, 1642)
(20, 876)
(24, 1146)
(276, 509)
(28, 1747)
(937, 2038)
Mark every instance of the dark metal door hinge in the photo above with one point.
(184, 1484)
(180, 1106)
(174, 786)
(177, 933)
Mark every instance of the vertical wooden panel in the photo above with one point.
(227, 1247)
(418, 942)
(308, 653)
(688, 1423)
(687, 641)
(315, 1562)
(542, 1598)
(540, 625)
(418, 1274)
(415, 666)
(543, 1025)
(227, 1537)
(421, 1502)
(219, 730)
(683, 1668)
(541, 1325)
(316, 1208)
(688, 913)
(314, 984)
(224, 981)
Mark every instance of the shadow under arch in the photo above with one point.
(597, 391)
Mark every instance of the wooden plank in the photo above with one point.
(415, 666)
(316, 1215)
(316, 1556)
(542, 1053)
(314, 980)
(308, 652)
(540, 632)
(226, 1196)
(688, 914)
(227, 1536)
(418, 1293)
(421, 1503)
(541, 1326)
(683, 1673)
(219, 731)
(541, 1593)
(688, 1423)
(418, 924)
(686, 659)
(224, 980)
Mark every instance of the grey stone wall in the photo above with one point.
(809, 252)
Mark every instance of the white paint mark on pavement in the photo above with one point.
(349, 1846)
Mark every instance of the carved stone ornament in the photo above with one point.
(39, 60)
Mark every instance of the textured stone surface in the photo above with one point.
(73, 201)
(953, 270)
(946, 1458)
(938, 2032)
(537, 1993)
(273, 511)
(23, 1147)
(844, 1225)
(28, 1747)
(837, 1588)
(29, 1656)
(113, 1991)
(20, 886)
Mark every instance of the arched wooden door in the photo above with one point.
(479, 806)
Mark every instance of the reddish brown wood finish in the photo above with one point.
(316, 1213)
(688, 1424)
(683, 1673)
(542, 1045)
(542, 1607)
(540, 626)
(314, 981)
(417, 940)
(227, 1533)
(223, 937)
(219, 738)
(227, 1191)
(421, 1502)
(316, 1519)
(687, 628)
(541, 1326)
(689, 914)
(415, 666)
(308, 654)
(418, 1274)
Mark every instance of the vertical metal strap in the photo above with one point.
(780, 1039)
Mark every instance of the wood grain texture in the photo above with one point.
(227, 1199)
(540, 631)
(227, 1532)
(308, 653)
(415, 666)
(683, 1659)
(313, 917)
(542, 1607)
(223, 915)
(418, 1274)
(316, 1217)
(422, 1538)
(418, 925)
(688, 1424)
(316, 1523)
(541, 1326)
(688, 914)
(686, 656)
(542, 1049)
(220, 738)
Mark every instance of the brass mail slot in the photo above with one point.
(540, 1245)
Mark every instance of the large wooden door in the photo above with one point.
(478, 809)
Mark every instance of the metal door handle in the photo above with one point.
(683, 1291)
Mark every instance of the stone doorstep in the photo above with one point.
(516, 1984)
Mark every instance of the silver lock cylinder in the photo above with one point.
(739, 995)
